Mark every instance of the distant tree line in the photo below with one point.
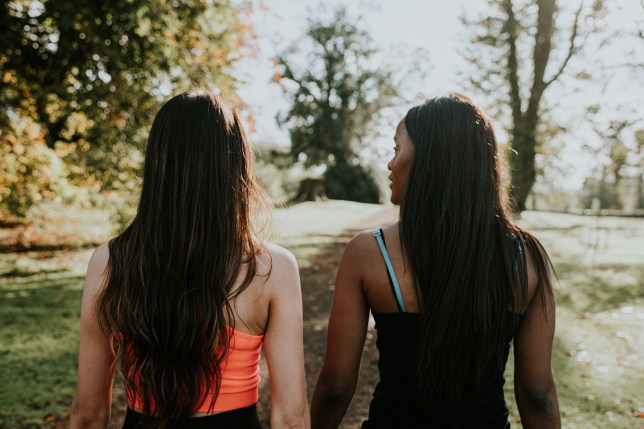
(80, 82)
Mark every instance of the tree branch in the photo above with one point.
(572, 49)
(513, 64)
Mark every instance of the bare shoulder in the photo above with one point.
(537, 280)
(279, 252)
(279, 256)
(96, 269)
(100, 256)
(359, 255)
(361, 245)
(269, 256)
(279, 267)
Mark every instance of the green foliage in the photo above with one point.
(91, 75)
(123, 214)
(29, 171)
(337, 94)
(351, 182)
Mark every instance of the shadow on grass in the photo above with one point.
(17, 272)
(602, 288)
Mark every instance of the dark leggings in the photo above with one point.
(241, 418)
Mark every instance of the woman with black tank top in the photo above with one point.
(449, 286)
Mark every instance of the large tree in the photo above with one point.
(337, 94)
(90, 75)
(518, 51)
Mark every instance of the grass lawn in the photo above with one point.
(39, 313)
(598, 358)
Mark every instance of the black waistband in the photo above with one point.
(241, 418)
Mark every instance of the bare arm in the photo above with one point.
(92, 402)
(534, 385)
(347, 329)
(283, 344)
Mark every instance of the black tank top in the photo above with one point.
(397, 400)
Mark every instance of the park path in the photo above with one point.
(318, 280)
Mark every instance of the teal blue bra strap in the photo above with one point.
(516, 262)
(390, 269)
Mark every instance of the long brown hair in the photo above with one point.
(466, 253)
(173, 271)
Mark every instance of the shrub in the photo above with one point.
(351, 182)
(29, 171)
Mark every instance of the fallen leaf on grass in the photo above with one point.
(57, 420)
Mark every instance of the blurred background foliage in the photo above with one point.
(81, 82)
(338, 93)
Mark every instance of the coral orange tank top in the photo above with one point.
(239, 376)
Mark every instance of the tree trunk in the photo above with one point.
(525, 123)
(311, 190)
(639, 201)
(523, 174)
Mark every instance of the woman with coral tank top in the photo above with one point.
(181, 302)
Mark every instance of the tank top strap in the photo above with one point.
(393, 281)
(519, 256)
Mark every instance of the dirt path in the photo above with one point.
(318, 281)
(317, 292)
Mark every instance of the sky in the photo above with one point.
(435, 26)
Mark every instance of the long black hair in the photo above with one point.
(173, 271)
(465, 251)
